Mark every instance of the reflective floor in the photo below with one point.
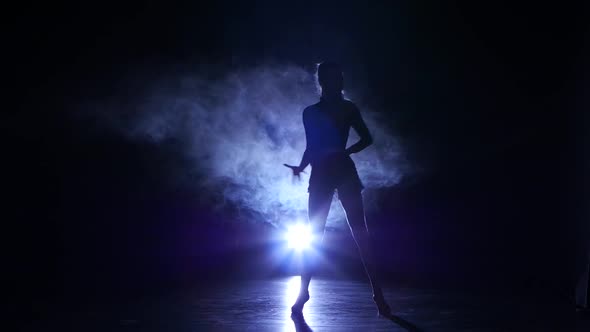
(335, 305)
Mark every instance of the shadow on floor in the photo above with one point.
(301, 324)
(403, 323)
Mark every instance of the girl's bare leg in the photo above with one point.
(355, 214)
(318, 208)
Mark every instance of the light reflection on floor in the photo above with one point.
(328, 297)
(335, 305)
(291, 291)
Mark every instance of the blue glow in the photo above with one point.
(236, 131)
(299, 236)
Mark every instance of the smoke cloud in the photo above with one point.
(238, 129)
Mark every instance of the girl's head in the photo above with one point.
(330, 78)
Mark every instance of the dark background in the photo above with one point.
(489, 99)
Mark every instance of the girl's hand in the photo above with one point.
(296, 170)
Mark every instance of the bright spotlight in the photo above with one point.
(299, 236)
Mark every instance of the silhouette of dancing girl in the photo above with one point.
(327, 124)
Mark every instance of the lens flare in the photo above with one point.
(299, 236)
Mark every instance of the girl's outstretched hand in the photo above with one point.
(296, 170)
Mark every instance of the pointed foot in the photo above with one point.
(383, 308)
(297, 308)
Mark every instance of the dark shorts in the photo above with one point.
(336, 172)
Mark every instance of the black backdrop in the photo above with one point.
(490, 98)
